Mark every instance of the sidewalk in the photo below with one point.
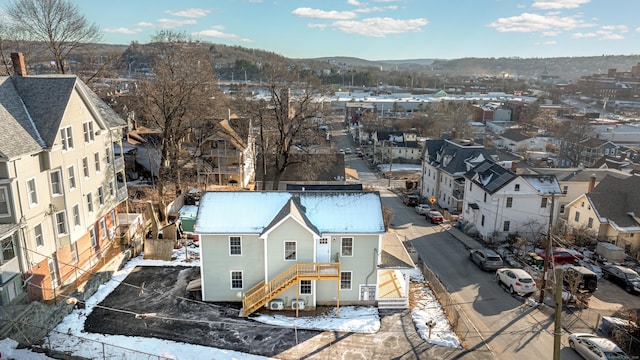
(466, 240)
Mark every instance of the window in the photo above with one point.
(305, 287)
(101, 195)
(470, 186)
(290, 250)
(590, 223)
(235, 245)
(4, 202)
(108, 155)
(482, 221)
(76, 215)
(61, 223)
(346, 247)
(56, 184)
(111, 188)
(114, 219)
(73, 251)
(87, 128)
(506, 225)
(32, 192)
(8, 249)
(90, 202)
(67, 138)
(565, 189)
(103, 227)
(543, 204)
(562, 209)
(72, 177)
(85, 167)
(37, 234)
(94, 238)
(345, 280)
(577, 217)
(485, 197)
(517, 187)
(509, 202)
(236, 280)
(96, 160)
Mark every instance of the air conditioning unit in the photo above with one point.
(276, 304)
(297, 304)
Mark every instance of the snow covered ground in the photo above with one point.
(69, 335)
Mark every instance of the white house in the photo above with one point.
(299, 250)
(498, 202)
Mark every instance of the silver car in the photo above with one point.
(486, 259)
(593, 347)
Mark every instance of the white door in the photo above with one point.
(323, 250)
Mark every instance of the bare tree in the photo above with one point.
(180, 93)
(285, 121)
(57, 23)
(451, 117)
(573, 134)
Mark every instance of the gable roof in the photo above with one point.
(455, 158)
(251, 212)
(579, 174)
(32, 108)
(617, 200)
(490, 176)
(293, 209)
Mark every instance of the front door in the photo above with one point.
(324, 251)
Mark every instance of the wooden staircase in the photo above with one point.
(259, 295)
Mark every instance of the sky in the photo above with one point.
(382, 29)
(69, 335)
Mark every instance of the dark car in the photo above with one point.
(625, 277)
(411, 200)
(486, 259)
(435, 217)
(582, 278)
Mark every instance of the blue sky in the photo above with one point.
(383, 29)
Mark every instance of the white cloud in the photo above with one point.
(380, 27)
(376, 9)
(621, 28)
(551, 33)
(527, 22)
(174, 23)
(583, 35)
(144, 24)
(316, 26)
(122, 30)
(190, 13)
(638, 29)
(558, 4)
(215, 32)
(354, 2)
(321, 14)
(551, 42)
(606, 32)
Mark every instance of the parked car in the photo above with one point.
(586, 280)
(517, 281)
(341, 151)
(625, 277)
(562, 256)
(411, 200)
(435, 217)
(422, 209)
(347, 151)
(487, 259)
(455, 215)
(594, 347)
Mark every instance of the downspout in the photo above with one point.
(22, 220)
(375, 258)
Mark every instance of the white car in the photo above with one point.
(347, 151)
(422, 209)
(517, 281)
(593, 347)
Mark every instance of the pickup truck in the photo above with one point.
(625, 277)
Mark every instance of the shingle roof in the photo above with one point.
(490, 176)
(615, 199)
(453, 158)
(32, 108)
(514, 135)
(394, 254)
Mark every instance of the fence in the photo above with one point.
(460, 324)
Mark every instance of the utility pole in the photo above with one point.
(547, 252)
(390, 162)
(557, 328)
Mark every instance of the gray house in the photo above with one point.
(299, 250)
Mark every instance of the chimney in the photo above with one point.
(18, 64)
(514, 166)
(592, 182)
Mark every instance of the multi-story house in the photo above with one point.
(575, 182)
(299, 250)
(58, 183)
(498, 202)
(609, 213)
(395, 146)
(225, 158)
(586, 152)
(444, 164)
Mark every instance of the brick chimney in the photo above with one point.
(592, 183)
(18, 64)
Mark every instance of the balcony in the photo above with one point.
(458, 195)
(118, 164)
(122, 194)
